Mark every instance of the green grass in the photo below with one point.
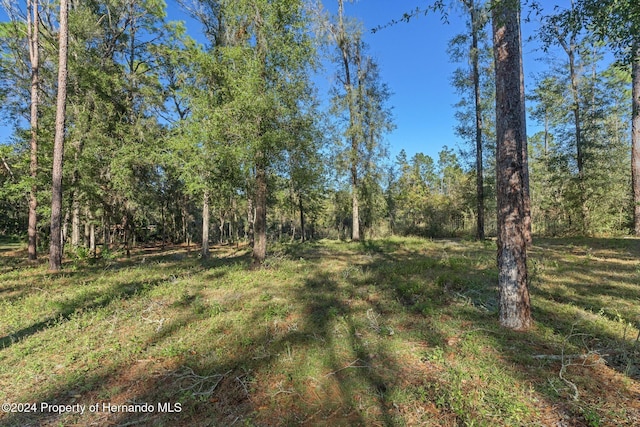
(400, 331)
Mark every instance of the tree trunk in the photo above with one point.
(235, 221)
(302, 236)
(249, 229)
(569, 48)
(105, 232)
(635, 136)
(87, 235)
(55, 250)
(184, 214)
(221, 228)
(478, 110)
(126, 227)
(33, 32)
(205, 225)
(577, 119)
(92, 235)
(355, 208)
(343, 45)
(75, 222)
(515, 309)
(163, 220)
(260, 226)
(64, 230)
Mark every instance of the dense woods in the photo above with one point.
(168, 140)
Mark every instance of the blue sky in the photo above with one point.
(414, 63)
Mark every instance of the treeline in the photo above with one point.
(168, 140)
(172, 141)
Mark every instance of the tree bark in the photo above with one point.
(55, 250)
(635, 136)
(205, 225)
(515, 309)
(528, 237)
(34, 56)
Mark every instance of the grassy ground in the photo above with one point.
(389, 332)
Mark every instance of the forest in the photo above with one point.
(193, 232)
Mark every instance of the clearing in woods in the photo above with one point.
(400, 331)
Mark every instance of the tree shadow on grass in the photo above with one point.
(336, 321)
(472, 290)
(239, 387)
(159, 264)
(599, 284)
(85, 302)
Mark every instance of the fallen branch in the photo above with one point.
(199, 382)
(567, 356)
(350, 365)
(576, 394)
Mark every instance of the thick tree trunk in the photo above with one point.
(524, 153)
(205, 225)
(635, 137)
(260, 226)
(33, 32)
(515, 310)
(55, 250)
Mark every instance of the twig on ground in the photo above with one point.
(576, 394)
(160, 322)
(569, 356)
(350, 365)
(199, 383)
(373, 317)
(567, 360)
